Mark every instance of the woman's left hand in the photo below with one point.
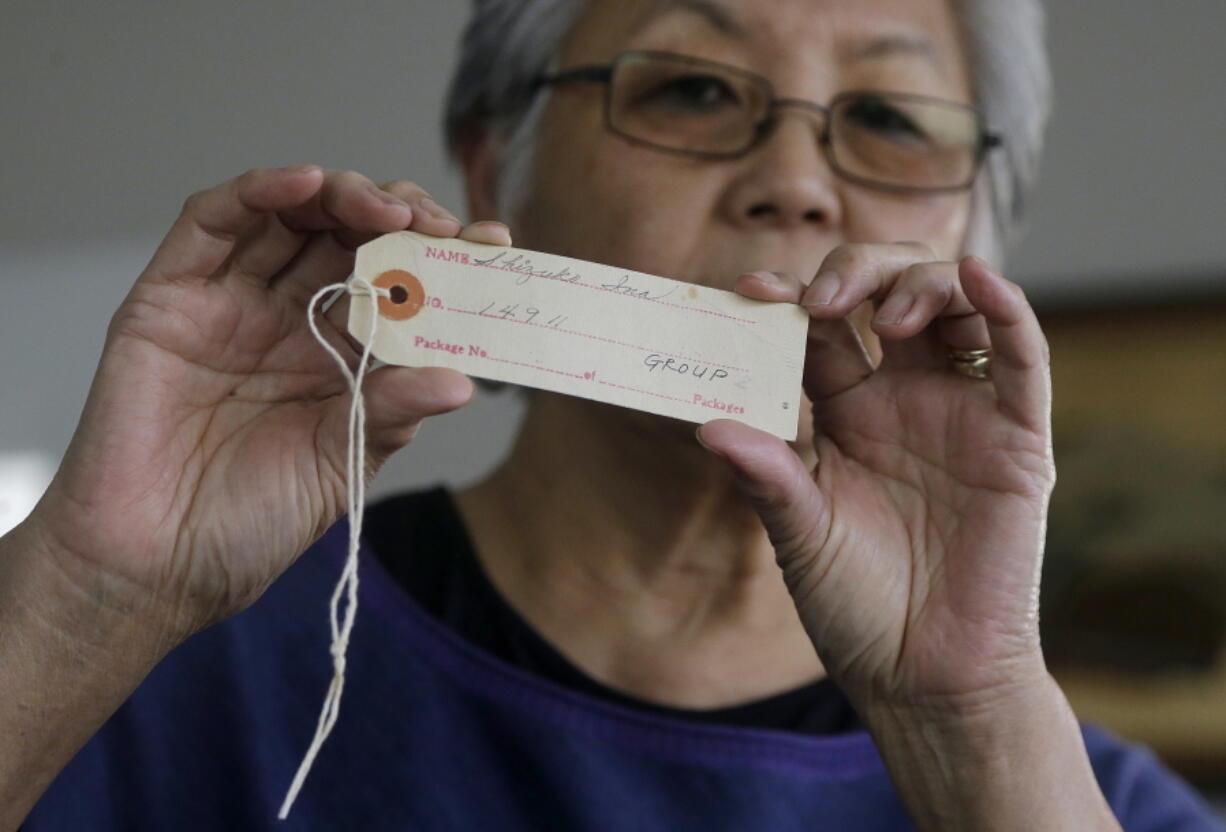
(913, 549)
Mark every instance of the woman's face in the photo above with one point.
(596, 196)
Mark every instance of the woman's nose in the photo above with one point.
(785, 182)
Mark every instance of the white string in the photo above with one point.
(355, 500)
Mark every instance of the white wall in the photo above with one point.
(1134, 183)
(112, 113)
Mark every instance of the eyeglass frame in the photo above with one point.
(603, 73)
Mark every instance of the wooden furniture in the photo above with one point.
(1134, 613)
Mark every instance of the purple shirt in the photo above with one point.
(436, 734)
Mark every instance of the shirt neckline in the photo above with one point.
(484, 676)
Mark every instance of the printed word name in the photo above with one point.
(447, 256)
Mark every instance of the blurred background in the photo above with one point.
(113, 113)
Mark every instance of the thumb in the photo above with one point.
(773, 478)
(399, 398)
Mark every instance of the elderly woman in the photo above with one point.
(621, 627)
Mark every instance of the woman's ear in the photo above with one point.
(480, 157)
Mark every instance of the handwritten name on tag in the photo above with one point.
(583, 329)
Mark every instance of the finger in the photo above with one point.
(212, 222)
(337, 316)
(350, 200)
(328, 258)
(922, 293)
(1020, 357)
(854, 272)
(963, 332)
(324, 259)
(428, 216)
(776, 482)
(778, 287)
(399, 398)
(352, 207)
(248, 238)
(338, 313)
(264, 251)
(835, 359)
(929, 350)
(346, 197)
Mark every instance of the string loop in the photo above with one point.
(355, 501)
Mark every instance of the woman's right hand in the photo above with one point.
(211, 450)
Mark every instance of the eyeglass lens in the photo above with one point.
(694, 106)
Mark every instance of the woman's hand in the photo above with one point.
(211, 450)
(913, 549)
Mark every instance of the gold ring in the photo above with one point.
(976, 364)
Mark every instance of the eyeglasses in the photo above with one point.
(708, 110)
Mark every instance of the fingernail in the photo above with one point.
(437, 210)
(698, 436)
(774, 278)
(493, 227)
(822, 290)
(985, 265)
(300, 168)
(494, 224)
(895, 308)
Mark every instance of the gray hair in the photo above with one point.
(509, 43)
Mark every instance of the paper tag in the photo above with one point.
(556, 323)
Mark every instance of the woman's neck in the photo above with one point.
(626, 545)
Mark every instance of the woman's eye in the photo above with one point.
(694, 92)
(881, 117)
